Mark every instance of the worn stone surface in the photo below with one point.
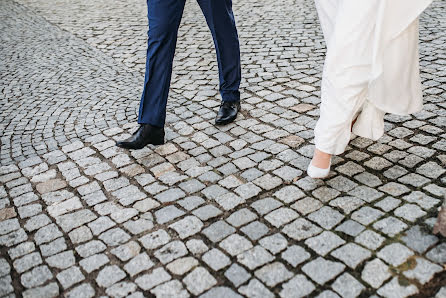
(222, 211)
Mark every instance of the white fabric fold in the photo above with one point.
(371, 66)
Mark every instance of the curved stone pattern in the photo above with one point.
(216, 212)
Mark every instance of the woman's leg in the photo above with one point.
(346, 73)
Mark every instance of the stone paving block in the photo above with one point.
(196, 247)
(138, 264)
(390, 226)
(394, 189)
(170, 195)
(138, 226)
(53, 247)
(329, 294)
(295, 255)
(114, 237)
(423, 200)
(6, 285)
(235, 244)
(347, 204)
(347, 286)
(172, 288)
(289, 194)
(324, 242)
(218, 231)
(395, 254)
(36, 277)
(255, 257)
(76, 219)
(255, 230)
(370, 239)
(298, 286)
(50, 290)
(199, 280)
(288, 173)
(4, 267)
(342, 184)
(418, 239)
(148, 281)
(441, 293)
(188, 226)
(281, 216)
(27, 262)
(247, 191)
(274, 243)
(70, 276)
(29, 210)
(167, 214)
(266, 205)
(121, 289)
(237, 274)
(301, 229)
(375, 273)
(94, 262)
(182, 266)
(268, 182)
(100, 225)
(322, 271)
(171, 251)
(241, 217)
(90, 248)
(126, 251)
(388, 204)
(146, 205)
(255, 289)
(326, 217)
(123, 215)
(437, 254)
(409, 212)
(351, 254)
(394, 289)
(36, 222)
(273, 274)
(221, 292)
(207, 212)
(47, 234)
(62, 260)
(350, 227)
(216, 259)
(366, 215)
(423, 271)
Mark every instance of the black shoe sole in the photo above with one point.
(225, 121)
(121, 145)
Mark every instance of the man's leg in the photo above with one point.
(220, 19)
(164, 19)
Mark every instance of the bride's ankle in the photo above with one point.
(321, 159)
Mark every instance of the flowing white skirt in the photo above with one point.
(371, 67)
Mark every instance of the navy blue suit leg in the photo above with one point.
(164, 19)
(221, 22)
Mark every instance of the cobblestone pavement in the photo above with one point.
(216, 212)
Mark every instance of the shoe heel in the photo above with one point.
(159, 140)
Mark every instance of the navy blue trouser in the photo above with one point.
(164, 20)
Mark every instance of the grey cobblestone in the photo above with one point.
(216, 211)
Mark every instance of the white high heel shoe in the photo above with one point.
(318, 173)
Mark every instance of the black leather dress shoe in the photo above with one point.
(228, 112)
(146, 134)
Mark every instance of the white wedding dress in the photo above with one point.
(371, 67)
